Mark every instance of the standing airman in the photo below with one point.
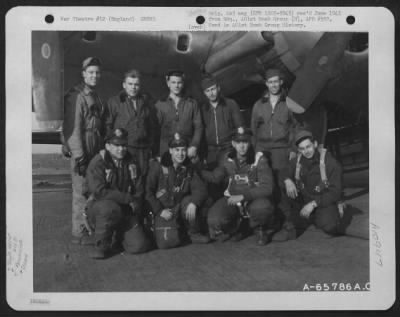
(82, 138)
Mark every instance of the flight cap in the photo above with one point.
(91, 61)
(302, 135)
(177, 141)
(242, 134)
(117, 136)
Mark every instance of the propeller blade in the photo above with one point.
(317, 69)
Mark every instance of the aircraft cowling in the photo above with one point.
(317, 70)
(47, 81)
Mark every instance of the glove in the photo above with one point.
(81, 164)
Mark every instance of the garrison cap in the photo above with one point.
(91, 61)
(242, 134)
(207, 81)
(177, 141)
(301, 135)
(272, 72)
(117, 136)
(175, 72)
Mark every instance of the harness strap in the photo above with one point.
(322, 167)
(102, 153)
(162, 186)
(259, 155)
(298, 167)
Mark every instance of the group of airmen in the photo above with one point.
(177, 172)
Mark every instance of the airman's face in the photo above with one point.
(212, 93)
(241, 147)
(131, 86)
(178, 154)
(307, 148)
(274, 85)
(117, 152)
(91, 75)
(175, 84)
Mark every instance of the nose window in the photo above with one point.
(89, 36)
(183, 43)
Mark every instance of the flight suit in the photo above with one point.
(167, 188)
(251, 179)
(220, 124)
(326, 194)
(114, 186)
(140, 122)
(184, 119)
(83, 133)
(273, 132)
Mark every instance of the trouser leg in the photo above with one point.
(107, 215)
(261, 212)
(214, 159)
(280, 164)
(163, 146)
(216, 155)
(327, 219)
(222, 218)
(79, 199)
(203, 214)
(142, 157)
(292, 221)
(190, 226)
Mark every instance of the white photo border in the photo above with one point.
(377, 21)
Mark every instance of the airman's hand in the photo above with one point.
(308, 209)
(292, 155)
(192, 151)
(190, 212)
(258, 156)
(81, 165)
(235, 199)
(166, 214)
(195, 159)
(291, 189)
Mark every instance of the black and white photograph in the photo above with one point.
(230, 160)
